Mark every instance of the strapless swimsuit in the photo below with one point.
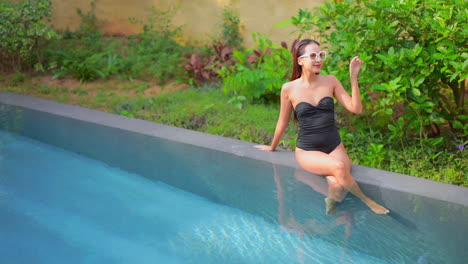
(318, 130)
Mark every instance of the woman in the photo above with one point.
(319, 149)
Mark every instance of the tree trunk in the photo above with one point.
(459, 96)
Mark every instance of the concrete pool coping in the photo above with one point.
(366, 175)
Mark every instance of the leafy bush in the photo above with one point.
(23, 28)
(416, 63)
(259, 72)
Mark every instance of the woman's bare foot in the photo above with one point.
(377, 208)
(330, 205)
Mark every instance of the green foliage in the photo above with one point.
(87, 55)
(304, 22)
(86, 59)
(84, 54)
(23, 28)
(148, 56)
(231, 28)
(415, 57)
(259, 72)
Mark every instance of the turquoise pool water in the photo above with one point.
(121, 197)
(60, 207)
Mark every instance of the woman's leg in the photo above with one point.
(320, 163)
(333, 191)
(336, 164)
(341, 154)
(336, 193)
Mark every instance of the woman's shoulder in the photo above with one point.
(286, 87)
(289, 85)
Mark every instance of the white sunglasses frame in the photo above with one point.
(317, 55)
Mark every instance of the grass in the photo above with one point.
(207, 109)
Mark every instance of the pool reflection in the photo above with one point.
(306, 227)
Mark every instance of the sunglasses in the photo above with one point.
(314, 56)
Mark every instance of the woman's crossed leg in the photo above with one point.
(336, 166)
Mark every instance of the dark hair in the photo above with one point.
(298, 48)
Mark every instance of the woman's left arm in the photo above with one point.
(352, 103)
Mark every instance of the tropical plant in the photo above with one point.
(201, 67)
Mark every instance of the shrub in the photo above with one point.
(23, 28)
(257, 73)
(416, 62)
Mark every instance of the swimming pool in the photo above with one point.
(77, 191)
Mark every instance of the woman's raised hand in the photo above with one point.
(355, 66)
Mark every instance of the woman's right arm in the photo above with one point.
(283, 119)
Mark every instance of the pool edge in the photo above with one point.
(366, 175)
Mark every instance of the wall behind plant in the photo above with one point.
(198, 17)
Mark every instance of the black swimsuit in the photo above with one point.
(318, 129)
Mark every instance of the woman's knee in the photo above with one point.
(341, 173)
(339, 166)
